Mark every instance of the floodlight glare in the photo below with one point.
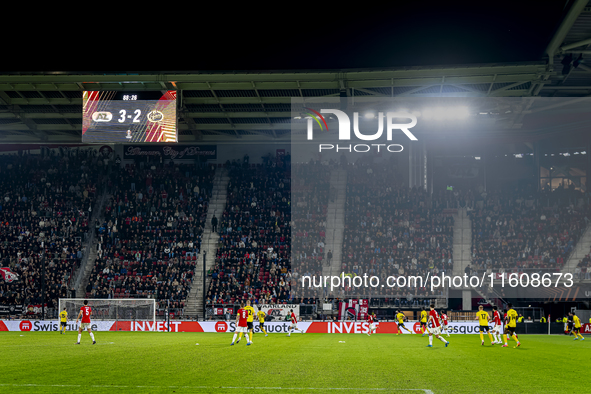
(370, 115)
(446, 113)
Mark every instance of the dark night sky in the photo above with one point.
(304, 36)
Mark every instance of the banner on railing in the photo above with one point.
(278, 311)
(350, 327)
(11, 309)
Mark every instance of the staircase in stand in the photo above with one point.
(209, 243)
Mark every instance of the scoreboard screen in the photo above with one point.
(122, 117)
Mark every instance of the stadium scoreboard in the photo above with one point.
(123, 117)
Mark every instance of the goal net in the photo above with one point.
(119, 309)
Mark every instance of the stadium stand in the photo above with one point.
(253, 257)
(45, 205)
(151, 233)
(310, 198)
(393, 230)
(520, 230)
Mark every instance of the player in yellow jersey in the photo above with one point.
(424, 328)
(483, 319)
(250, 319)
(400, 318)
(261, 316)
(511, 325)
(63, 321)
(577, 327)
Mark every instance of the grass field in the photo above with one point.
(142, 362)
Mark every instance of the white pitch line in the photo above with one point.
(214, 387)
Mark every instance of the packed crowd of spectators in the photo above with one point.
(151, 234)
(310, 199)
(391, 230)
(253, 257)
(524, 230)
(45, 205)
(583, 269)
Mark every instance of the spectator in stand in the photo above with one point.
(214, 224)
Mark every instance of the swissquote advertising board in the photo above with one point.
(230, 326)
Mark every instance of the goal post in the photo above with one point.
(118, 309)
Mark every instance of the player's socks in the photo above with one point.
(250, 336)
(481, 337)
(234, 338)
(442, 340)
(491, 337)
(92, 336)
(79, 336)
(431, 340)
(515, 338)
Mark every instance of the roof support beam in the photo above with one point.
(564, 28)
(28, 122)
(565, 48)
(494, 92)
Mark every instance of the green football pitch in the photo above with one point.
(142, 362)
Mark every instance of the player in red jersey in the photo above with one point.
(85, 313)
(294, 323)
(496, 331)
(241, 325)
(436, 327)
(371, 320)
(444, 322)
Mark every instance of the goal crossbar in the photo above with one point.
(117, 309)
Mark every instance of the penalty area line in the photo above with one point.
(213, 387)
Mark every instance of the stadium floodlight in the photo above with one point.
(370, 115)
(566, 154)
(519, 155)
(477, 157)
(446, 113)
(583, 153)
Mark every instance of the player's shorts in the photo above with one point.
(242, 329)
(424, 324)
(577, 330)
(294, 326)
(484, 328)
(249, 325)
(436, 330)
(497, 327)
(510, 330)
(444, 326)
(85, 326)
(401, 325)
(63, 323)
(372, 327)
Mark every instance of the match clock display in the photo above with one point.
(114, 116)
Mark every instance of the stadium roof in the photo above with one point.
(253, 106)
